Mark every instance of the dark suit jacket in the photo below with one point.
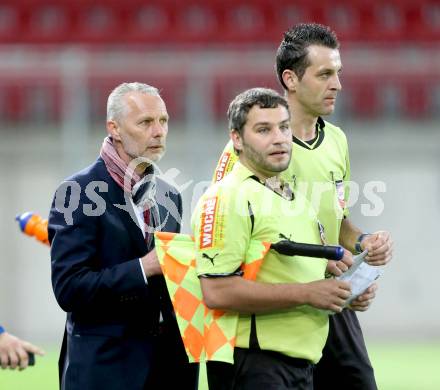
(97, 279)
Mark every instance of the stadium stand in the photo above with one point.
(194, 26)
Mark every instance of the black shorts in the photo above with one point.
(258, 369)
(344, 364)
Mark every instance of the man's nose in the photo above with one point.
(336, 83)
(282, 135)
(159, 129)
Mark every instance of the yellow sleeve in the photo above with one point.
(225, 163)
(222, 229)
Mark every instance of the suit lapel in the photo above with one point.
(122, 206)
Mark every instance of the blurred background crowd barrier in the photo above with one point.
(60, 59)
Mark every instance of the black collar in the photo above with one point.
(320, 125)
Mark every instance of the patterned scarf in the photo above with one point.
(117, 168)
(141, 189)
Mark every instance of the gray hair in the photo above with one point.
(115, 104)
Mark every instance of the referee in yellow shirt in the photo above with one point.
(281, 327)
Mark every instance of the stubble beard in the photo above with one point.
(259, 162)
(133, 153)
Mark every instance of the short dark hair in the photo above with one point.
(292, 53)
(241, 105)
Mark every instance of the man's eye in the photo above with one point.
(263, 130)
(163, 121)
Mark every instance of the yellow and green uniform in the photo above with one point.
(238, 210)
(320, 171)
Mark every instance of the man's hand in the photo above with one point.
(329, 294)
(379, 246)
(337, 268)
(151, 264)
(14, 352)
(363, 301)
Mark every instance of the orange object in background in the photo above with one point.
(33, 225)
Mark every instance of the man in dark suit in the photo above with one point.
(121, 332)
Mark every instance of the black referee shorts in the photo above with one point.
(258, 369)
(344, 364)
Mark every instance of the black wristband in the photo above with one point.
(357, 246)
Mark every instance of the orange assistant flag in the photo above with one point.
(207, 334)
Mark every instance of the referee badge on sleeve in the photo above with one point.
(340, 189)
(340, 192)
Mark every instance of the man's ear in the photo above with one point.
(113, 130)
(236, 140)
(290, 79)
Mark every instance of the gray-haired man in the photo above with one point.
(121, 332)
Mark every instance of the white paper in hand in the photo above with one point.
(360, 275)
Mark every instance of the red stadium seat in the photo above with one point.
(48, 23)
(207, 25)
(416, 99)
(363, 99)
(215, 22)
(227, 86)
(11, 23)
(172, 90)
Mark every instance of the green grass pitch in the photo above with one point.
(397, 366)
